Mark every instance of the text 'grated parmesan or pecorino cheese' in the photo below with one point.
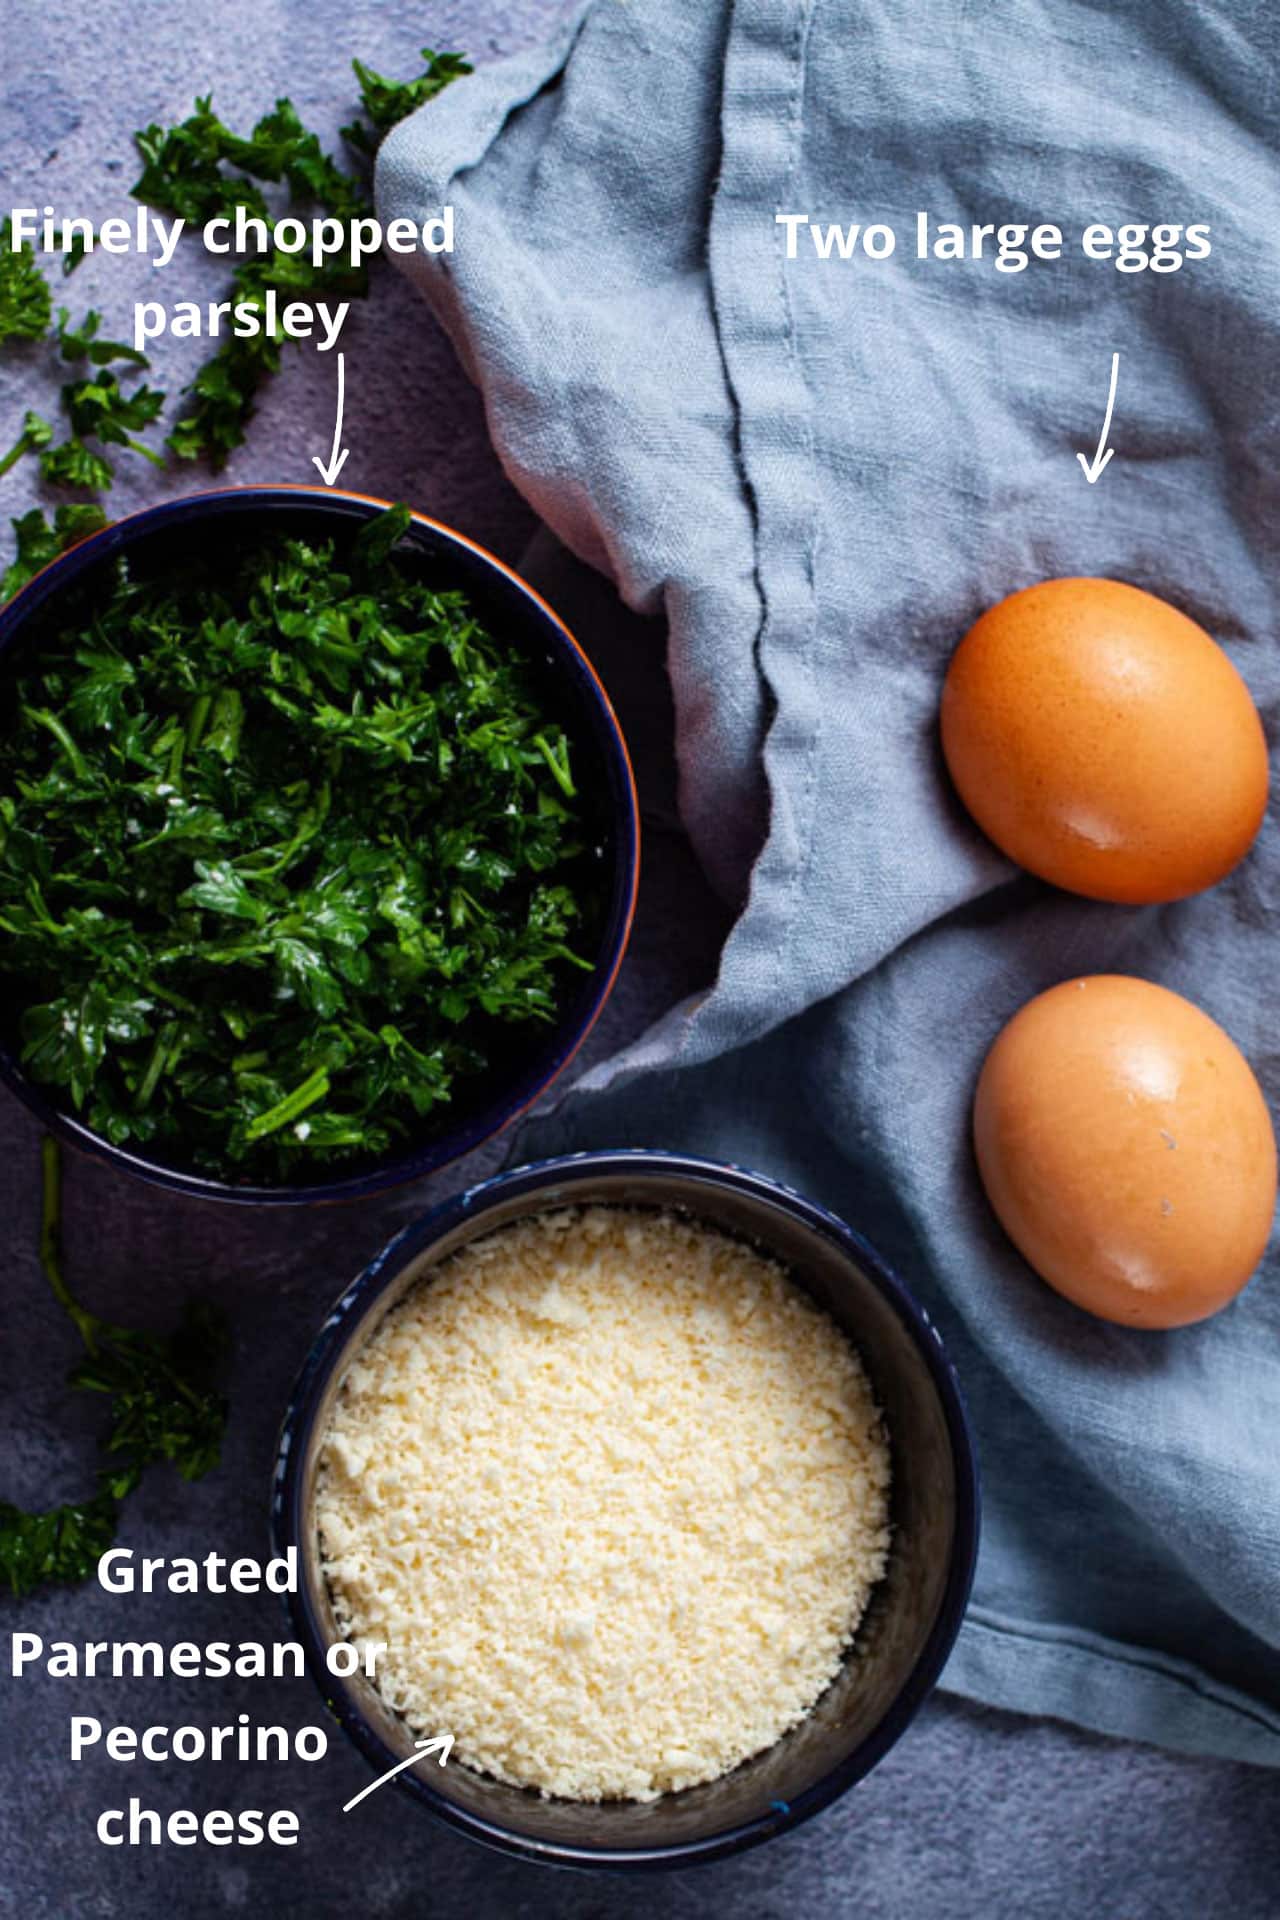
(614, 1492)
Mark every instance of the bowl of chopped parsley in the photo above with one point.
(318, 844)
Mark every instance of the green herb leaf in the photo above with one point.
(280, 148)
(182, 169)
(164, 1403)
(35, 433)
(164, 1406)
(84, 344)
(387, 102)
(220, 888)
(39, 543)
(61, 1546)
(25, 300)
(99, 407)
(72, 464)
(223, 394)
(377, 538)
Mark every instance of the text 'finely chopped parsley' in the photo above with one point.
(614, 1493)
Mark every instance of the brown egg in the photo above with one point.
(1128, 1151)
(1105, 742)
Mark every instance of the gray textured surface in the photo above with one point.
(974, 1814)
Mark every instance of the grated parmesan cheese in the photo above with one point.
(614, 1493)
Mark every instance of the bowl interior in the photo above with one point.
(902, 1640)
(204, 531)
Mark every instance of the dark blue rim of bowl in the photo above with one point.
(290, 1525)
(500, 1111)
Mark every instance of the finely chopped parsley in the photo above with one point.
(292, 854)
(614, 1493)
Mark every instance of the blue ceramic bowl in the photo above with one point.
(915, 1612)
(232, 517)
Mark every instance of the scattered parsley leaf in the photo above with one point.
(73, 464)
(387, 102)
(39, 543)
(281, 148)
(182, 169)
(164, 1406)
(99, 407)
(59, 1547)
(75, 253)
(36, 433)
(25, 300)
(83, 343)
(222, 401)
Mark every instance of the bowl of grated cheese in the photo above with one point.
(644, 1481)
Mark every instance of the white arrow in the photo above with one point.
(330, 469)
(1095, 468)
(441, 1743)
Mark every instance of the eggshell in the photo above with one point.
(1105, 742)
(1128, 1151)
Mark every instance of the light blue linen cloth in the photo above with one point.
(820, 473)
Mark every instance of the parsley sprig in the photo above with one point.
(39, 541)
(163, 1406)
(36, 433)
(25, 300)
(385, 103)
